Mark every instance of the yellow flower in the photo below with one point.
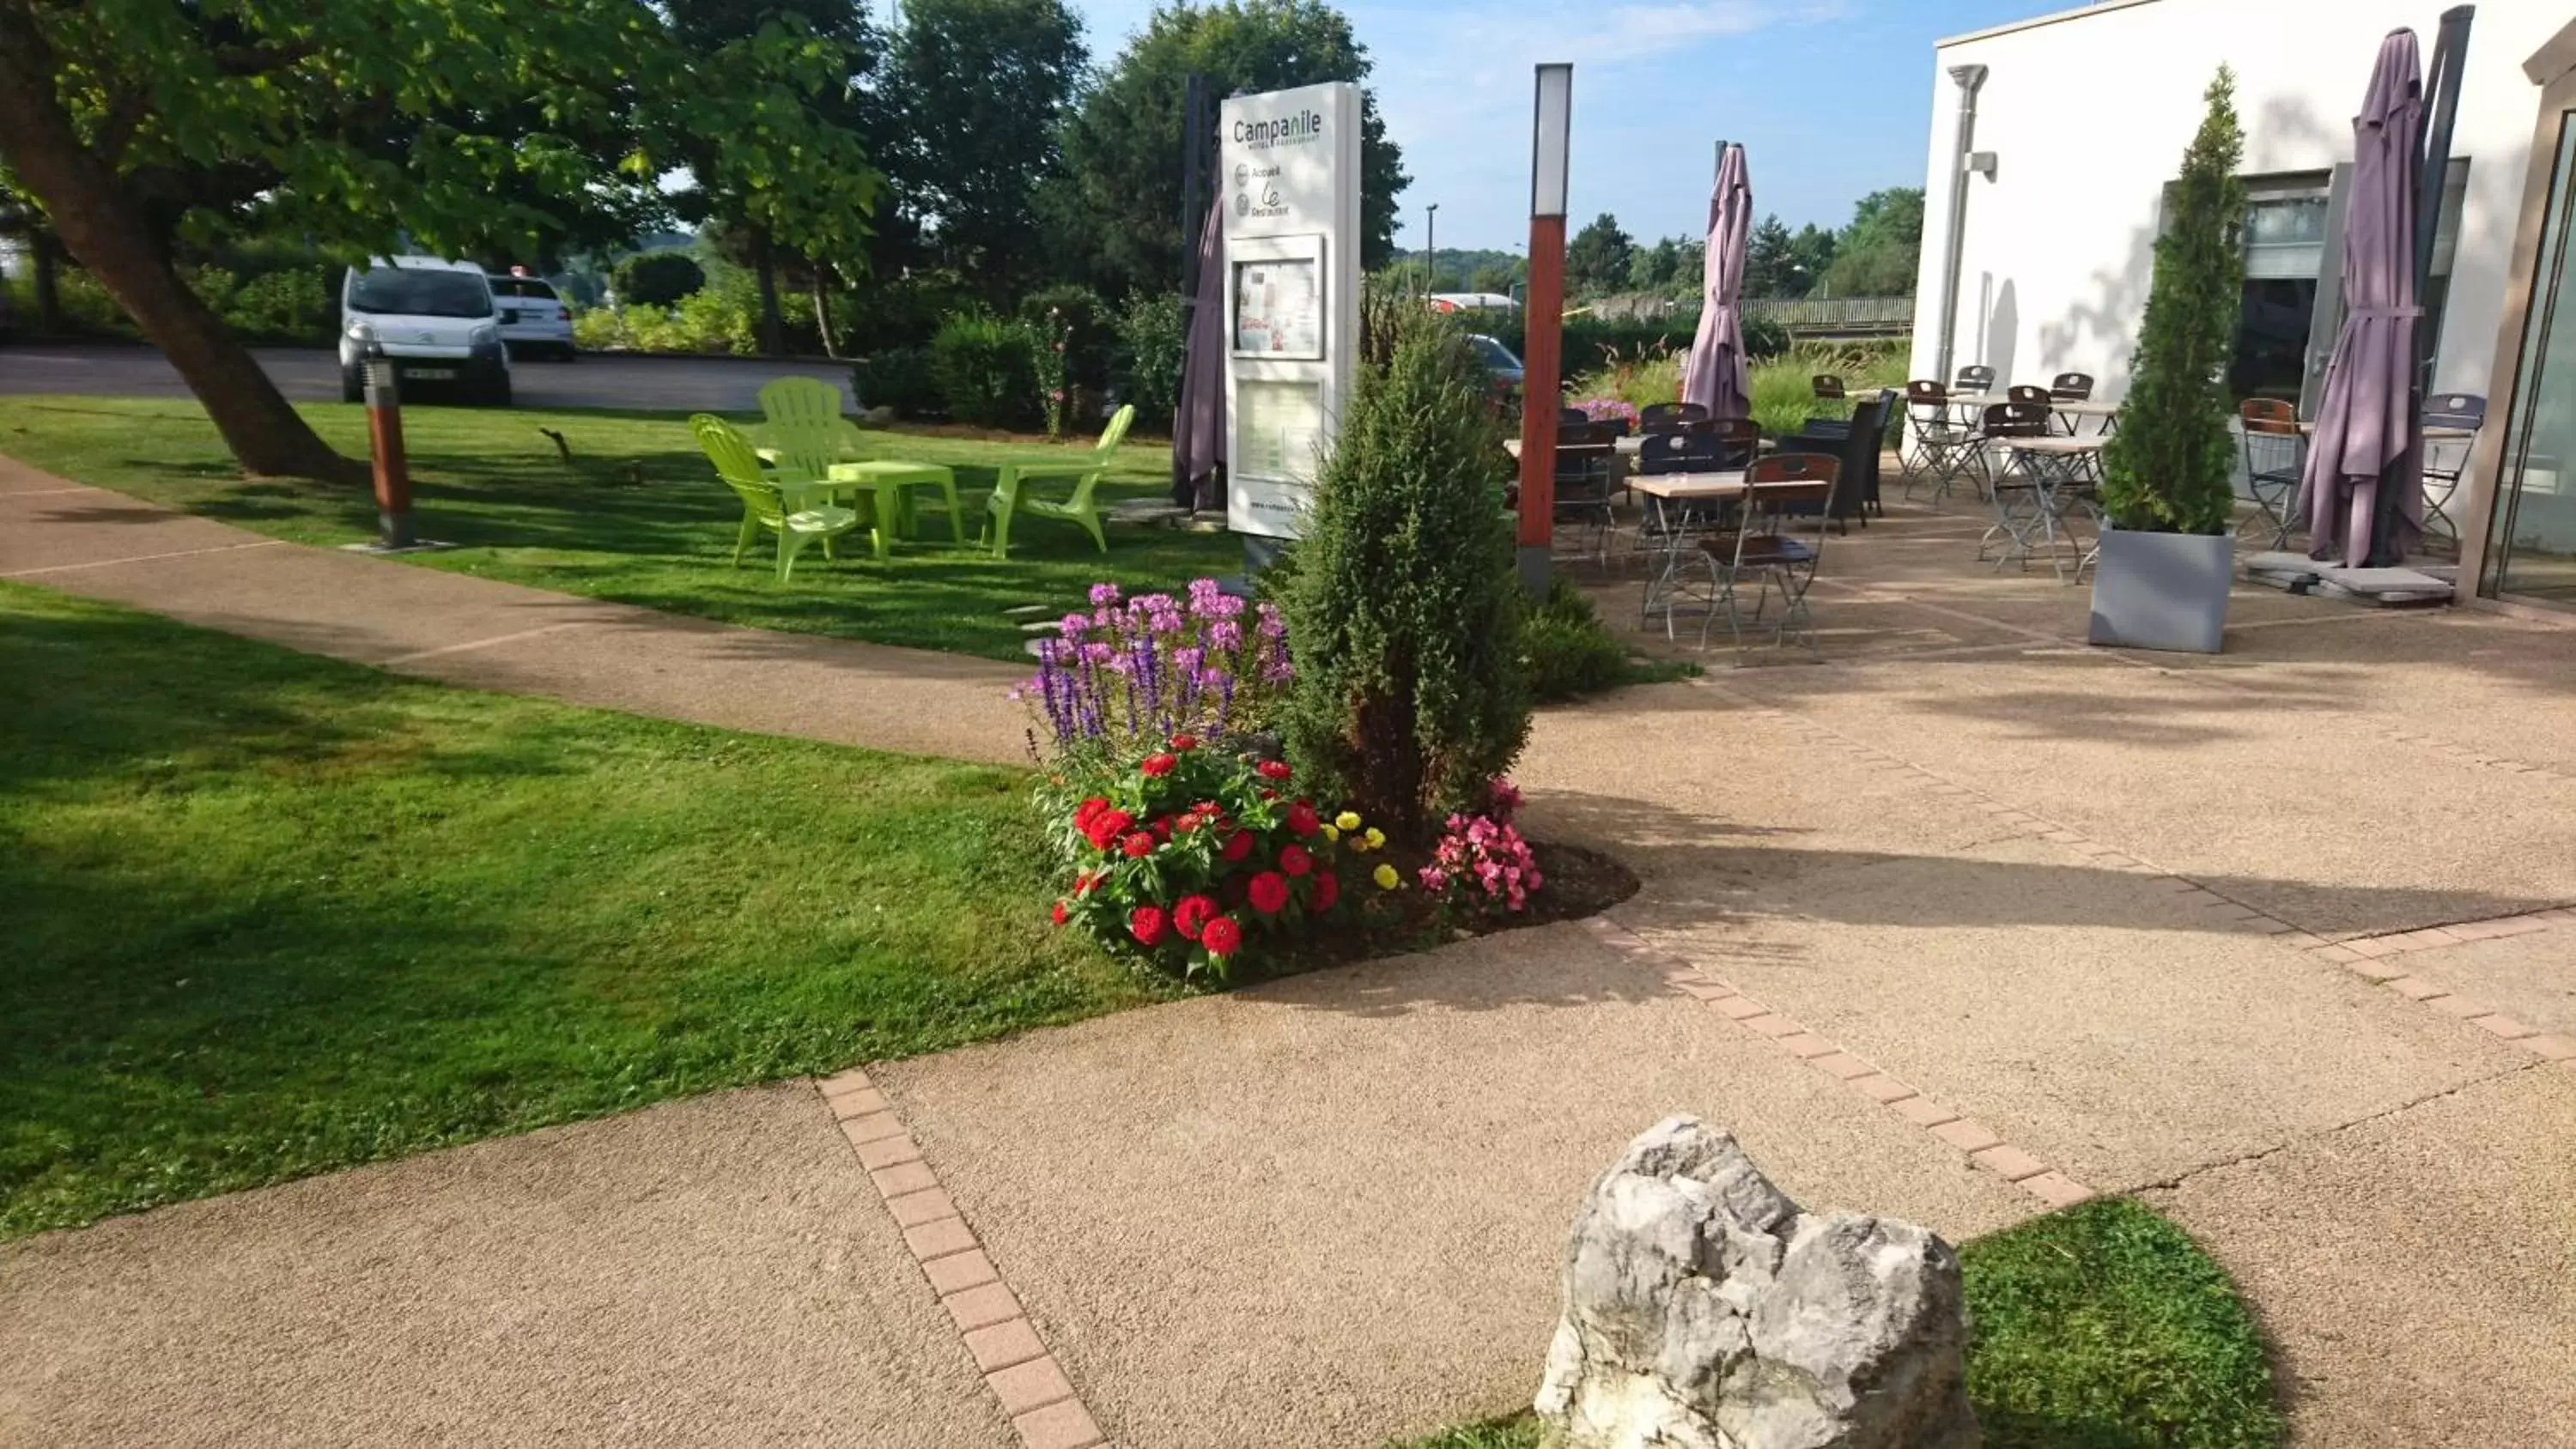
(1331, 835)
(1385, 877)
(1375, 837)
(1348, 820)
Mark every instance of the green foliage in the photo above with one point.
(1771, 267)
(1093, 343)
(1405, 612)
(986, 368)
(1880, 252)
(1784, 393)
(1566, 651)
(2105, 1327)
(1146, 371)
(658, 279)
(1598, 342)
(2170, 466)
(87, 310)
(979, 90)
(1597, 260)
(897, 378)
(274, 915)
(1119, 201)
(904, 311)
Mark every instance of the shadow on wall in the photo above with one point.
(2003, 334)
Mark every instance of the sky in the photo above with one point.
(1831, 99)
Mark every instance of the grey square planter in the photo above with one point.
(2162, 590)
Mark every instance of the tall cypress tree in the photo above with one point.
(2169, 468)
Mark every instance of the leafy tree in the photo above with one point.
(136, 123)
(1410, 694)
(1654, 268)
(1880, 252)
(2170, 466)
(1771, 262)
(1120, 201)
(1493, 278)
(1596, 261)
(658, 279)
(978, 91)
(1813, 249)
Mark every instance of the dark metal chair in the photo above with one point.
(1738, 441)
(1828, 388)
(1944, 448)
(1779, 491)
(2071, 386)
(2021, 500)
(1975, 377)
(2446, 459)
(1671, 417)
(1854, 444)
(2276, 456)
(1586, 456)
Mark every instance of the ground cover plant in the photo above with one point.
(495, 484)
(271, 915)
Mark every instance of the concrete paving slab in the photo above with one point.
(2106, 1023)
(2416, 1273)
(42, 529)
(2530, 978)
(1331, 1210)
(716, 1271)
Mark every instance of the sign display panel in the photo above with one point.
(1279, 308)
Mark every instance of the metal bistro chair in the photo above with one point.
(2442, 468)
(1671, 417)
(1828, 388)
(2071, 387)
(2022, 505)
(1781, 490)
(1666, 527)
(1944, 448)
(1739, 441)
(1584, 481)
(2276, 455)
(1975, 377)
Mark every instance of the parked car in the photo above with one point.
(435, 320)
(1498, 360)
(535, 320)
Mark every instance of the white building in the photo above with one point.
(2087, 112)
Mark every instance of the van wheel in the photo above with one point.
(353, 385)
(498, 394)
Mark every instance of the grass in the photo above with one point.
(2102, 1327)
(489, 481)
(270, 915)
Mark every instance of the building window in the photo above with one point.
(2285, 248)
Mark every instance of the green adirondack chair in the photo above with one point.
(807, 433)
(788, 505)
(1083, 468)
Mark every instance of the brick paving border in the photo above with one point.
(2054, 1189)
(1024, 1377)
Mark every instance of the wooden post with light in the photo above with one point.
(1544, 314)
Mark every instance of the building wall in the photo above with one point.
(2089, 117)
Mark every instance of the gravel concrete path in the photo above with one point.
(1969, 923)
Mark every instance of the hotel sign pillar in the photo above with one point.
(1288, 166)
(1543, 336)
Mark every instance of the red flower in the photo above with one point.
(1238, 845)
(1140, 844)
(1295, 860)
(1158, 764)
(1221, 936)
(1106, 827)
(1146, 924)
(1083, 813)
(1301, 819)
(1192, 914)
(1162, 827)
(1060, 913)
(1269, 892)
(1328, 889)
(1083, 883)
(1273, 769)
(1185, 742)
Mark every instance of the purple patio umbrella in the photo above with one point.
(1198, 424)
(2365, 436)
(1713, 376)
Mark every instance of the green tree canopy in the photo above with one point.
(1120, 201)
(1597, 260)
(1880, 252)
(467, 127)
(1771, 267)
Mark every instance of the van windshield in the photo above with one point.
(418, 292)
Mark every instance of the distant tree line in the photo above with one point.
(1876, 255)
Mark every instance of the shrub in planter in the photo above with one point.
(1406, 607)
(986, 369)
(2169, 469)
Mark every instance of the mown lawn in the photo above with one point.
(268, 915)
(489, 480)
(2101, 1327)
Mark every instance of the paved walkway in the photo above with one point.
(1971, 923)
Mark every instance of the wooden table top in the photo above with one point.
(1690, 485)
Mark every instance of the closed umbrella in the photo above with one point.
(1713, 376)
(2365, 438)
(1198, 424)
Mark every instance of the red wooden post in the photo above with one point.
(1543, 332)
(385, 443)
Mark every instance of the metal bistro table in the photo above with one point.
(1670, 497)
(2070, 411)
(2062, 471)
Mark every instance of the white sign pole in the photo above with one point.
(1289, 170)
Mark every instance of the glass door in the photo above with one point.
(2531, 549)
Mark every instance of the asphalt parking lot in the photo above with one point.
(721, 384)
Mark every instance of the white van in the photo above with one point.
(435, 320)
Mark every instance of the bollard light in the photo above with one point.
(1552, 120)
(385, 444)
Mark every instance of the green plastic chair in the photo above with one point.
(1083, 468)
(780, 502)
(807, 433)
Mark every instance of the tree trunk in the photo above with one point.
(49, 290)
(823, 306)
(102, 228)
(773, 329)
